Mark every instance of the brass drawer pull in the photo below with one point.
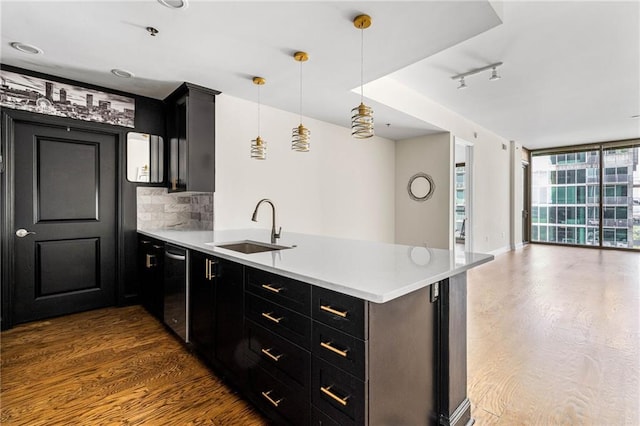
(271, 400)
(333, 311)
(327, 391)
(268, 353)
(270, 288)
(327, 345)
(151, 261)
(268, 315)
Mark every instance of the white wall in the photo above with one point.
(343, 187)
(425, 222)
(491, 164)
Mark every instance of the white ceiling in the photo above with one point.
(571, 72)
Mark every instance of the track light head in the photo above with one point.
(494, 75)
(463, 85)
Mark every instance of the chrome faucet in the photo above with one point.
(254, 218)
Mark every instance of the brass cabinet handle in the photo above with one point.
(268, 315)
(271, 400)
(174, 184)
(151, 261)
(270, 288)
(208, 273)
(333, 311)
(327, 345)
(268, 353)
(327, 391)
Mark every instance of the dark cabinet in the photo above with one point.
(191, 134)
(229, 318)
(202, 296)
(217, 315)
(150, 274)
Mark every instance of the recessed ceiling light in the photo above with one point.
(174, 4)
(121, 73)
(26, 48)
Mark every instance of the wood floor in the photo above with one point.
(115, 366)
(554, 338)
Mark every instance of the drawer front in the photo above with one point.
(276, 397)
(284, 291)
(279, 320)
(340, 396)
(339, 349)
(345, 313)
(318, 418)
(278, 355)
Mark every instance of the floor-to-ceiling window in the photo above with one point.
(587, 197)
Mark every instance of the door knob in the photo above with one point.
(21, 233)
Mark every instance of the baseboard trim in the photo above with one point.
(501, 250)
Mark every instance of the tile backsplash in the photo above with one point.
(159, 209)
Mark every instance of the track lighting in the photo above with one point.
(494, 75)
(492, 67)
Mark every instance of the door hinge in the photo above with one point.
(435, 292)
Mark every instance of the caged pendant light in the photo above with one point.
(301, 136)
(362, 115)
(258, 145)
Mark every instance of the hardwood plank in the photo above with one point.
(110, 366)
(554, 337)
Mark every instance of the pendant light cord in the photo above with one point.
(259, 89)
(361, 65)
(301, 92)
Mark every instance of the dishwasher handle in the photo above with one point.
(175, 256)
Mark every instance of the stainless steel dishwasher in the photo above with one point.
(176, 290)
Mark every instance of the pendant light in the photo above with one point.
(362, 115)
(259, 146)
(301, 136)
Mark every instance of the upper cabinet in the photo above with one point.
(191, 134)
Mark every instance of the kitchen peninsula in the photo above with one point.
(336, 331)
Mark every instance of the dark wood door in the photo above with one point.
(65, 192)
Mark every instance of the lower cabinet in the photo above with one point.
(216, 310)
(307, 355)
(202, 296)
(151, 275)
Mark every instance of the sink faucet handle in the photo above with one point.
(277, 235)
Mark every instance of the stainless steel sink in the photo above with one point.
(249, 247)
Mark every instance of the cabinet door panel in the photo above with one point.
(229, 316)
(202, 296)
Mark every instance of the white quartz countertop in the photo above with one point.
(374, 271)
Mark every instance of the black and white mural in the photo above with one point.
(19, 91)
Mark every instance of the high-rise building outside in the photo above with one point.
(570, 204)
(104, 105)
(89, 100)
(63, 96)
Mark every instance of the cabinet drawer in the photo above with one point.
(284, 291)
(345, 313)
(339, 349)
(339, 395)
(318, 418)
(278, 355)
(279, 320)
(276, 397)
